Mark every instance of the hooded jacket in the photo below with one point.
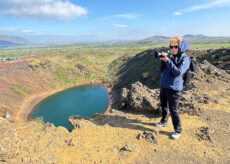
(172, 72)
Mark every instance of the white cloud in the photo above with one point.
(126, 16)
(7, 29)
(120, 25)
(122, 16)
(42, 9)
(16, 29)
(28, 31)
(177, 13)
(173, 22)
(212, 4)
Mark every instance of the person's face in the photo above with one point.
(174, 48)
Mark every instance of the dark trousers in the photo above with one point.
(170, 98)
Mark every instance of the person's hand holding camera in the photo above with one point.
(165, 58)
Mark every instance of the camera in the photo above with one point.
(159, 54)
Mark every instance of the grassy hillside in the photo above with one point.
(143, 67)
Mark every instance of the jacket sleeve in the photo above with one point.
(180, 69)
(162, 66)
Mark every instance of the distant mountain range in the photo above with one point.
(15, 41)
(12, 41)
(4, 43)
(156, 38)
(194, 39)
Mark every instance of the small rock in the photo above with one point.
(127, 147)
(149, 136)
(8, 117)
(217, 74)
(206, 101)
(139, 136)
(69, 142)
(205, 134)
(112, 111)
(208, 81)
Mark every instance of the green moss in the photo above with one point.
(17, 92)
(23, 88)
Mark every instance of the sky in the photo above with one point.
(113, 19)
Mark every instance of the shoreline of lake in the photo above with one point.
(31, 102)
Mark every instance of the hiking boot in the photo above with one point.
(161, 124)
(176, 135)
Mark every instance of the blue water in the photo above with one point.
(82, 100)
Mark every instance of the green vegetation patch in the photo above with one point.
(209, 46)
(17, 92)
(117, 62)
(89, 76)
(63, 75)
(23, 88)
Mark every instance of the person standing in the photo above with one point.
(172, 69)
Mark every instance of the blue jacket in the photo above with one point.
(171, 76)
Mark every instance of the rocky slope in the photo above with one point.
(125, 135)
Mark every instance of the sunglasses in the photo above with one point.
(173, 47)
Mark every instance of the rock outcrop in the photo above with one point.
(140, 97)
(5, 114)
(210, 73)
